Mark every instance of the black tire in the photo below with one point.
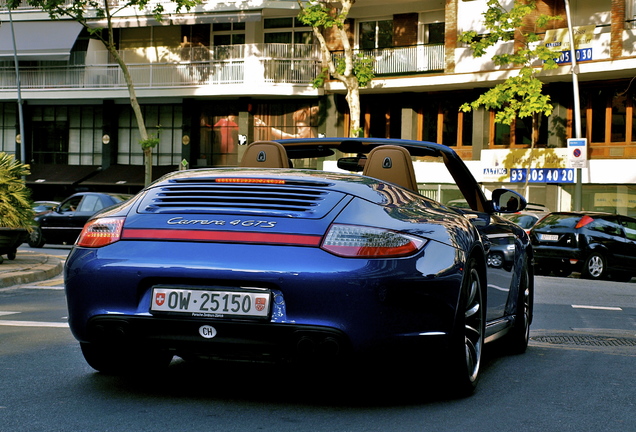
(467, 340)
(594, 267)
(519, 336)
(495, 259)
(122, 360)
(36, 239)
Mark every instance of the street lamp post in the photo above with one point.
(20, 141)
(578, 187)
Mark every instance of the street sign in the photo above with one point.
(577, 152)
(559, 40)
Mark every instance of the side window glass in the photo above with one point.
(606, 226)
(70, 205)
(90, 203)
(630, 228)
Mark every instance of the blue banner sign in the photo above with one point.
(542, 175)
(584, 54)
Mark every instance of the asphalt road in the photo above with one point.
(577, 375)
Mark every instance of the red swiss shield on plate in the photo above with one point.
(160, 298)
(260, 303)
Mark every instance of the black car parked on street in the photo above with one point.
(598, 245)
(64, 223)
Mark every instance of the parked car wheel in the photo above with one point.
(36, 239)
(495, 259)
(118, 359)
(595, 266)
(468, 339)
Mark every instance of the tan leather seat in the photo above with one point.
(392, 164)
(265, 154)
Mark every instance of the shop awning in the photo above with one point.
(126, 175)
(41, 40)
(60, 174)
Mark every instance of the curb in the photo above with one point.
(47, 268)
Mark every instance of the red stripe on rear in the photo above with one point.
(221, 236)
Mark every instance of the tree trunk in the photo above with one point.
(134, 103)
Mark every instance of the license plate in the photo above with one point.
(212, 303)
(550, 237)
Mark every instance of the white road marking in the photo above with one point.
(32, 324)
(7, 313)
(597, 307)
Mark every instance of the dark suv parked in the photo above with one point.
(599, 245)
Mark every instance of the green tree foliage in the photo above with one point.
(353, 70)
(86, 12)
(520, 95)
(15, 197)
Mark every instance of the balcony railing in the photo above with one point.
(210, 66)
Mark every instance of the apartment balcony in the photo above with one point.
(264, 65)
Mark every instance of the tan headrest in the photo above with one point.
(392, 164)
(265, 154)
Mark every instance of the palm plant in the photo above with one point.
(15, 197)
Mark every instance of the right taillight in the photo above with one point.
(584, 221)
(101, 232)
(353, 241)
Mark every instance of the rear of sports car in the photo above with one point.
(266, 266)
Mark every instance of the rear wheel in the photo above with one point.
(121, 360)
(36, 239)
(520, 333)
(595, 266)
(468, 337)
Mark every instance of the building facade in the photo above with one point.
(228, 73)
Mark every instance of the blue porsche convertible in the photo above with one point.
(267, 262)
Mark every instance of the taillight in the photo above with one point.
(584, 221)
(101, 232)
(354, 241)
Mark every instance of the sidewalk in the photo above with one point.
(29, 267)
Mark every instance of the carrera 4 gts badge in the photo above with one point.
(207, 331)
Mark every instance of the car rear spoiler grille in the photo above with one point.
(213, 198)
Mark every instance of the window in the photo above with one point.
(608, 115)
(433, 33)
(519, 133)
(630, 228)
(164, 121)
(90, 203)
(49, 136)
(286, 31)
(229, 33)
(375, 34)
(8, 121)
(607, 226)
(444, 123)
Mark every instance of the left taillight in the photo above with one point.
(353, 241)
(101, 232)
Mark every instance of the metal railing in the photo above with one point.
(205, 66)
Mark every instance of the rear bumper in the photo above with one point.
(555, 254)
(322, 303)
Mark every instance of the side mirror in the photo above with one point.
(507, 201)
